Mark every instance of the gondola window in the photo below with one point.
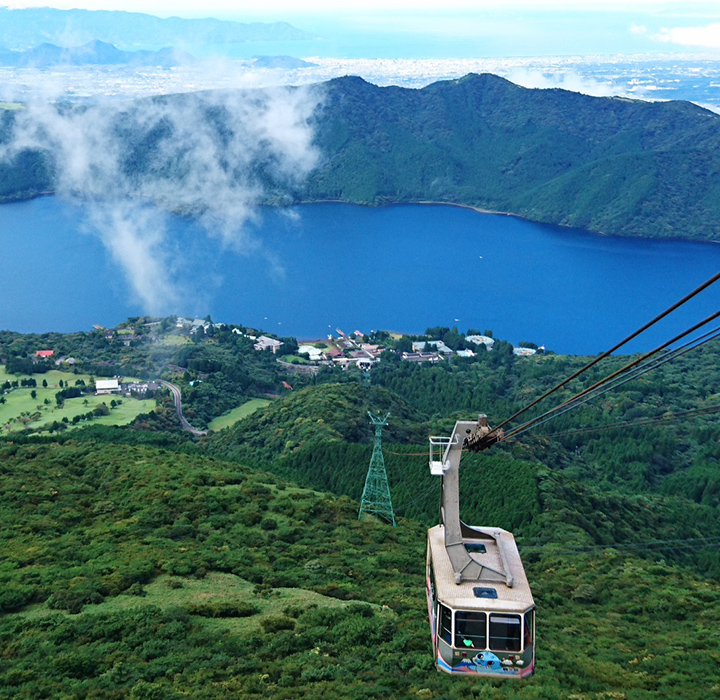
(529, 619)
(470, 629)
(505, 632)
(445, 624)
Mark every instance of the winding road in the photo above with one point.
(177, 397)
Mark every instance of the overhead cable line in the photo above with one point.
(652, 545)
(594, 391)
(417, 499)
(630, 365)
(609, 352)
(656, 420)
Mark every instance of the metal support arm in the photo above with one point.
(466, 567)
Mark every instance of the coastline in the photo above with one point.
(29, 196)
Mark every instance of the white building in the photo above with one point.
(485, 340)
(263, 343)
(107, 386)
(315, 354)
(437, 345)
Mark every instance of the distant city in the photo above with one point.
(694, 78)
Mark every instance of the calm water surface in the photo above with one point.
(402, 268)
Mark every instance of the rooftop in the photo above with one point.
(517, 598)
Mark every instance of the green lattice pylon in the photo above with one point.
(376, 494)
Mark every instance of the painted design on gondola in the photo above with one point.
(485, 663)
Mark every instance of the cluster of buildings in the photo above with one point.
(436, 350)
(195, 324)
(115, 386)
(350, 349)
(344, 350)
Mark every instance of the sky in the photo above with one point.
(453, 28)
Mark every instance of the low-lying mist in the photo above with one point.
(214, 155)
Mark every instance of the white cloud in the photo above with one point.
(200, 154)
(567, 80)
(706, 37)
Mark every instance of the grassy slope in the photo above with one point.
(84, 523)
(167, 592)
(237, 414)
(330, 412)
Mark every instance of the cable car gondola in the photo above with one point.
(482, 613)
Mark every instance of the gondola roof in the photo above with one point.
(515, 598)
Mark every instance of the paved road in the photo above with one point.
(177, 396)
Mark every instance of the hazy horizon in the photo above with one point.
(459, 29)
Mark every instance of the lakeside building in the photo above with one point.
(371, 350)
(421, 357)
(437, 345)
(485, 340)
(315, 354)
(524, 352)
(263, 343)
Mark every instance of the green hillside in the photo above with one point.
(605, 164)
(141, 563)
(611, 165)
(138, 572)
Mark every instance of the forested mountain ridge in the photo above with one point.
(610, 165)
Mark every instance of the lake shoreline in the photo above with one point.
(402, 267)
(26, 197)
(494, 212)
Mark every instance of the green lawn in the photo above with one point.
(175, 340)
(21, 411)
(295, 359)
(232, 417)
(53, 378)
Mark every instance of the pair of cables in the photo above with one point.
(649, 546)
(632, 370)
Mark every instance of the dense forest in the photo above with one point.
(143, 562)
(612, 165)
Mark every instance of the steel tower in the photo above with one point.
(376, 494)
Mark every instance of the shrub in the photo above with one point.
(276, 624)
(222, 609)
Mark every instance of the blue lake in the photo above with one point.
(400, 268)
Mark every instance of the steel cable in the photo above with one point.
(607, 353)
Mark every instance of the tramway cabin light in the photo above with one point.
(482, 613)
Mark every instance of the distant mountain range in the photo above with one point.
(610, 165)
(92, 53)
(23, 29)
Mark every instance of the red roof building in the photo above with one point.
(44, 353)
